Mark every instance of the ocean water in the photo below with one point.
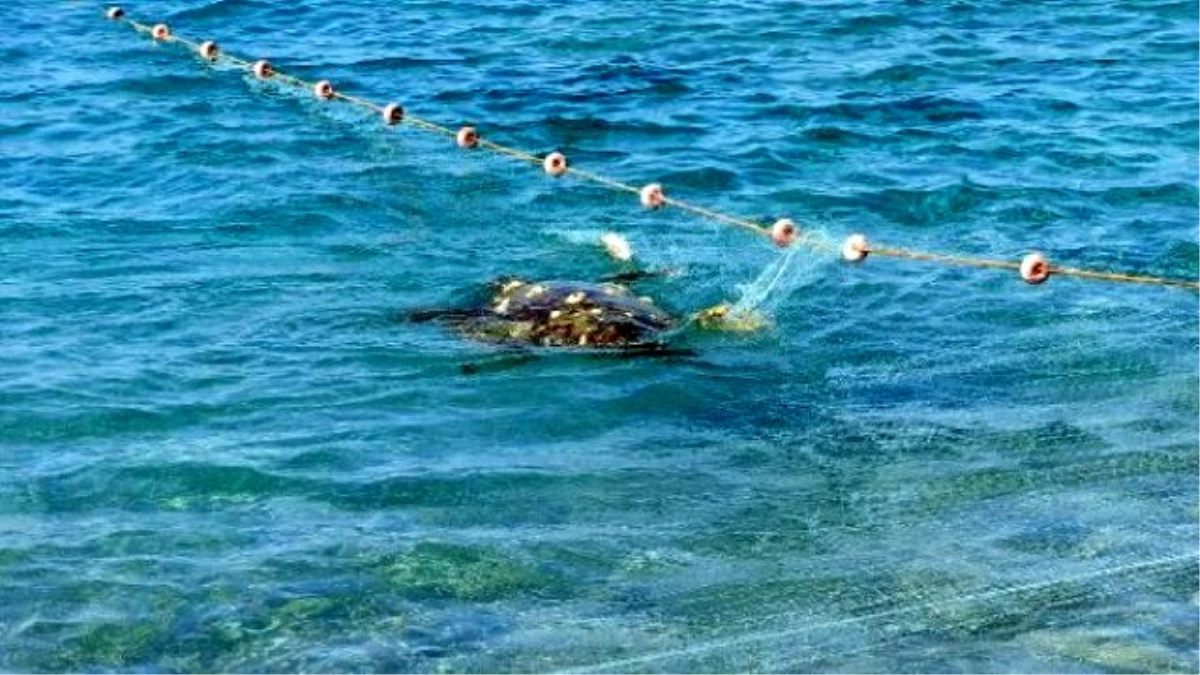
(221, 450)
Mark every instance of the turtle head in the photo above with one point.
(724, 317)
(714, 316)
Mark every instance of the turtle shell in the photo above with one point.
(569, 314)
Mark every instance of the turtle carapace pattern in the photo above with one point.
(561, 314)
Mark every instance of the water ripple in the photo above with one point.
(220, 450)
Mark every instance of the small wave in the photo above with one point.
(152, 487)
(398, 63)
(895, 111)
(834, 135)
(221, 8)
(1167, 194)
(932, 206)
(707, 179)
(1181, 259)
(593, 125)
(625, 67)
(864, 24)
(901, 72)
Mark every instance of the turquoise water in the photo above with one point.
(221, 451)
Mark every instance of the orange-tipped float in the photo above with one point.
(555, 164)
(263, 69)
(652, 196)
(855, 248)
(1035, 269)
(393, 113)
(783, 232)
(467, 137)
(209, 50)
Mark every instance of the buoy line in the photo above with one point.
(1034, 268)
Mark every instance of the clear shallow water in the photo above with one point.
(220, 450)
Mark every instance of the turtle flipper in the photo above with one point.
(452, 315)
(653, 351)
(635, 275)
(512, 359)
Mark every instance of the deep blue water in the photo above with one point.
(221, 451)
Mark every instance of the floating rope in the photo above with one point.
(1034, 268)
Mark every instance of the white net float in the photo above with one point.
(263, 69)
(617, 246)
(652, 196)
(855, 248)
(555, 164)
(209, 50)
(467, 137)
(1035, 268)
(393, 113)
(783, 232)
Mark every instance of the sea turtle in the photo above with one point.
(604, 315)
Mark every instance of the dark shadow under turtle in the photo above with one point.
(603, 318)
